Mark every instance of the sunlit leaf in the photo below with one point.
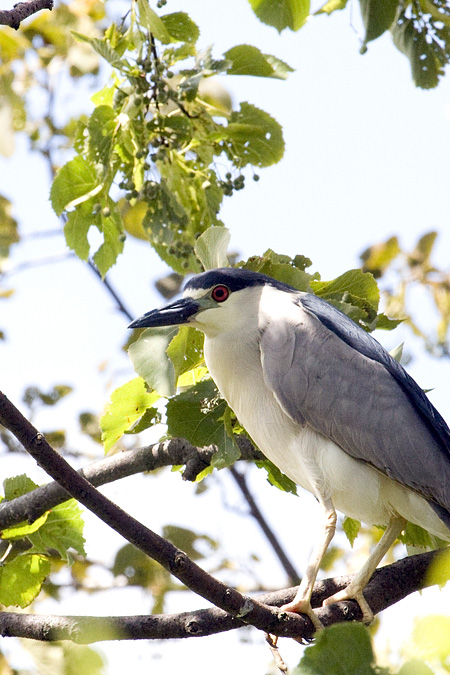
(186, 350)
(249, 60)
(276, 477)
(282, 13)
(153, 22)
(148, 355)
(212, 246)
(344, 647)
(257, 137)
(196, 415)
(359, 284)
(180, 27)
(22, 578)
(378, 16)
(351, 529)
(74, 180)
(62, 531)
(128, 403)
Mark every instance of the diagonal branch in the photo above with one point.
(22, 10)
(169, 556)
(388, 585)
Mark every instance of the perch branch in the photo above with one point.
(388, 585)
(22, 10)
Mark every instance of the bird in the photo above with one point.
(327, 404)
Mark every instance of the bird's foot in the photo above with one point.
(303, 607)
(353, 593)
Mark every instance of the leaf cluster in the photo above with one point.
(28, 548)
(420, 28)
(413, 269)
(163, 146)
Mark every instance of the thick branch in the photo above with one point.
(176, 451)
(387, 586)
(22, 10)
(171, 558)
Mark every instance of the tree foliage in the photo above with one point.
(160, 151)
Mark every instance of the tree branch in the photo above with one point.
(22, 10)
(175, 451)
(388, 585)
(169, 556)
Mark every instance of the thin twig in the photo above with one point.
(113, 293)
(287, 565)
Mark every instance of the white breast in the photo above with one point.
(310, 460)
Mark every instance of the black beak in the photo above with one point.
(176, 313)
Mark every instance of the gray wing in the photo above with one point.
(328, 373)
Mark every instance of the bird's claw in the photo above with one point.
(303, 607)
(356, 594)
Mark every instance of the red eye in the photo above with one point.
(220, 293)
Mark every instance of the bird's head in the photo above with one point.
(216, 301)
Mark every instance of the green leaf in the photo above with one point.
(397, 352)
(128, 403)
(422, 44)
(73, 181)
(249, 60)
(282, 13)
(276, 477)
(257, 138)
(196, 415)
(149, 358)
(22, 578)
(23, 529)
(8, 225)
(212, 246)
(17, 486)
(331, 6)
(378, 16)
(180, 27)
(282, 268)
(416, 537)
(113, 235)
(378, 257)
(102, 48)
(359, 284)
(430, 638)
(439, 570)
(423, 249)
(342, 648)
(351, 529)
(62, 531)
(153, 22)
(148, 419)
(101, 126)
(186, 540)
(186, 350)
(385, 323)
(76, 230)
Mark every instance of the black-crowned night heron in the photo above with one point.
(327, 404)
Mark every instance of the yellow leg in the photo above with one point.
(301, 604)
(354, 590)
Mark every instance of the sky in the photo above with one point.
(366, 157)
